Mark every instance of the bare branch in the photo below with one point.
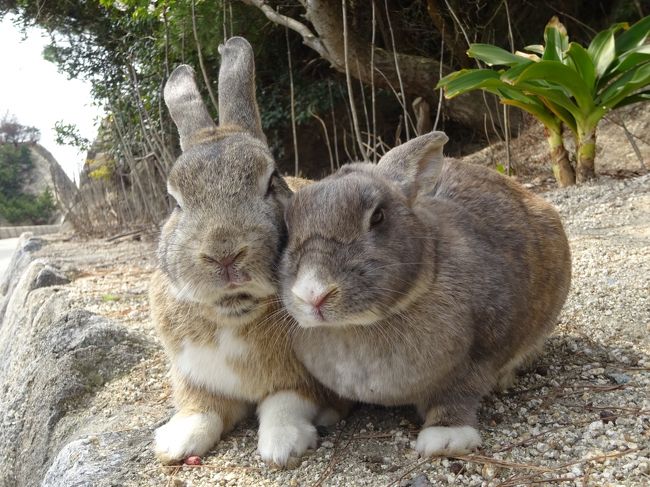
(308, 37)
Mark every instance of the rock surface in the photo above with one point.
(47, 173)
(52, 358)
(87, 388)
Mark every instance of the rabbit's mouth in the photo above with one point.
(237, 305)
(234, 300)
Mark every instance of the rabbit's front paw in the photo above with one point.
(187, 434)
(286, 428)
(447, 440)
(277, 443)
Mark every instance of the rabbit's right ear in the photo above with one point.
(237, 103)
(415, 165)
(187, 108)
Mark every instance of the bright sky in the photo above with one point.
(38, 95)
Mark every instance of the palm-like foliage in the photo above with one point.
(563, 83)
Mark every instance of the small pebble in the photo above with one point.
(192, 460)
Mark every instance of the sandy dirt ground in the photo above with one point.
(579, 416)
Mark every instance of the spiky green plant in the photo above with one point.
(563, 83)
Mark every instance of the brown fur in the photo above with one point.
(270, 366)
(230, 206)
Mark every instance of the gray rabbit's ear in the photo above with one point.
(187, 108)
(415, 165)
(237, 104)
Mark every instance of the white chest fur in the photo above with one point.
(211, 366)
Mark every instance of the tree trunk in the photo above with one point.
(562, 169)
(419, 75)
(586, 155)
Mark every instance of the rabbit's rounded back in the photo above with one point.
(221, 243)
(455, 262)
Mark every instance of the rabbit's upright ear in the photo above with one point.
(415, 165)
(187, 108)
(237, 104)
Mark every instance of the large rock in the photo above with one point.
(53, 358)
(47, 173)
(20, 259)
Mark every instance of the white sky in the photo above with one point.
(34, 92)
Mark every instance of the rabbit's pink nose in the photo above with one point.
(310, 290)
(226, 265)
(227, 261)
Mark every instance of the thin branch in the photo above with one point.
(308, 37)
(198, 51)
(372, 82)
(348, 80)
(327, 138)
(441, 94)
(336, 142)
(293, 106)
(399, 73)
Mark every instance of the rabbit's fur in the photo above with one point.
(213, 297)
(421, 282)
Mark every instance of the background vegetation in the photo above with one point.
(318, 111)
(17, 207)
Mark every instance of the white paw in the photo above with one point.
(186, 435)
(447, 440)
(286, 428)
(278, 443)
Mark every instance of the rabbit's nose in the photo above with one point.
(227, 260)
(226, 265)
(312, 291)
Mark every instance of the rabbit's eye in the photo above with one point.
(178, 207)
(377, 217)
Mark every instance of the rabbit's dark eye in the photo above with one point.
(178, 207)
(377, 217)
(271, 187)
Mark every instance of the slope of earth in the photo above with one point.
(580, 416)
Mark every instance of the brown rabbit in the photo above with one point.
(421, 282)
(213, 298)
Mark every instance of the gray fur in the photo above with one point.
(221, 183)
(237, 80)
(459, 284)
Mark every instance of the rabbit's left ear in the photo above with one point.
(237, 103)
(415, 165)
(187, 108)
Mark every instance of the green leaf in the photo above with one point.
(583, 64)
(511, 75)
(630, 59)
(634, 36)
(603, 48)
(535, 48)
(466, 80)
(536, 109)
(564, 77)
(557, 102)
(636, 98)
(556, 40)
(628, 83)
(495, 56)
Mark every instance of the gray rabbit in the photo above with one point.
(213, 298)
(425, 282)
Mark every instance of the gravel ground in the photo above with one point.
(580, 416)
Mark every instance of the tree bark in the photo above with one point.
(419, 74)
(585, 170)
(562, 169)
